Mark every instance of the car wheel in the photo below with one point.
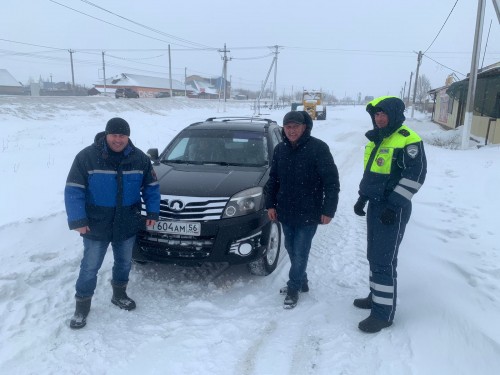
(267, 264)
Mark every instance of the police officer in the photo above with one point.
(394, 170)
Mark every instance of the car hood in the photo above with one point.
(207, 181)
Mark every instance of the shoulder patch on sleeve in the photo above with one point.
(404, 132)
(412, 151)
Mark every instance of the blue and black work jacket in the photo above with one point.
(303, 182)
(104, 193)
(395, 164)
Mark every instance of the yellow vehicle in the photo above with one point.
(312, 103)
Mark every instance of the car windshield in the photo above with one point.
(227, 147)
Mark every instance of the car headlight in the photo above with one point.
(243, 203)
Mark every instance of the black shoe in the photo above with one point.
(291, 300)
(124, 303)
(372, 325)
(304, 289)
(363, 303)
(121, 299)
(78, 321)
(79, 318)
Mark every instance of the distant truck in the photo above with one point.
(312, 103)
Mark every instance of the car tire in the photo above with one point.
(267, 264)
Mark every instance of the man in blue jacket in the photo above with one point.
(103, 203)
(302, 192)
(394, 170)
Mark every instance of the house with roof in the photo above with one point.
(145, 86)
(149, 87)
(202, 88)
(9, 85)
(208, 88)
(450, 104)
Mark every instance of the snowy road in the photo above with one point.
(218, 320)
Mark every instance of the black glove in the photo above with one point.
(359, 207)
(388, 217)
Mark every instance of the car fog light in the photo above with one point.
(245, 249)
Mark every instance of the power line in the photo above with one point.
(144, 26)
(444, 66)
(112, 24)
(451, 11)
(345, 50)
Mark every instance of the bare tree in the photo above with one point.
(423, 87)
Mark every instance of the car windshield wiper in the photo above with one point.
(195, 162)
(175, 161)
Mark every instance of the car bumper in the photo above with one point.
(235, 241)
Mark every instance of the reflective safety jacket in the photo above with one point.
(395, 164)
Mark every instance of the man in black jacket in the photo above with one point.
(302, 192)
(103, 201)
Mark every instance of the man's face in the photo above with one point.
(294, 131)
(117, 142)
(381, 119)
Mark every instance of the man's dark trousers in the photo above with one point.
(382, 252)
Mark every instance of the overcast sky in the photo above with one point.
(341, 47)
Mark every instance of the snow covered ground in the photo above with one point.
(213, 320)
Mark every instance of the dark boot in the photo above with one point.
(363, 303)
(291, 300)
(120, 297)
(304, 289)
(79, 318)
(372, 325)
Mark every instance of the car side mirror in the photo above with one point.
(153, 154)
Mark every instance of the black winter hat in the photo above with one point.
(295, 117)
(298, 117)
(118, 125)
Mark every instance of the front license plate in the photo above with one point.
(176, 227)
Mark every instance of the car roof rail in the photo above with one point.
(229, 118)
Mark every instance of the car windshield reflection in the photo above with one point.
(228, 149)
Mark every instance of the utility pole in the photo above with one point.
(265, 82)
(170, 72)
(185, 79)
(471, 92)
(275, 74)
(224, 72)
(496, 5)
(72, 71)
(419, 60)
(104, 72)
(409, 88)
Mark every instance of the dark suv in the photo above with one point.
(212, 176)
(126, 93)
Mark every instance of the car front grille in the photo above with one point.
(183, 208)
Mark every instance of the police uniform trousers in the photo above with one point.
(382, 252)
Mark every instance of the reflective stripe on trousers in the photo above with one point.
(382, 252)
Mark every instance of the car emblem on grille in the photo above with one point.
(176, 205)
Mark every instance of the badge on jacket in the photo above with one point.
(412, 151)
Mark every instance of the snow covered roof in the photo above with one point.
(203, 87)
(6, 79)
(126, 79)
